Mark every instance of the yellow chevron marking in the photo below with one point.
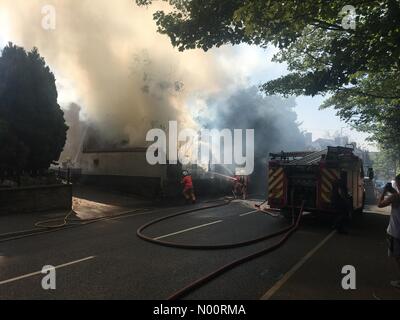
(276, 173)
(277, 189)
(325, 189)
(327, 183)
(335, 173)
(325, 198)
(280, 194)
(326, 173)
(276, 182)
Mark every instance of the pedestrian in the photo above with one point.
(391, 197)
(371, 173)
(340, 202)
(188, 190)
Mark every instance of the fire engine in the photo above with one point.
(309, 176)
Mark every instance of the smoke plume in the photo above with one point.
(126, 76)
(273, 119)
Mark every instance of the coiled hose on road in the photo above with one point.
(200, 282)
(50, 222)
(288, 231)
(141, 235)
(61, 223)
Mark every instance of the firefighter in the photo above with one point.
(240, 186)
(188, 191)
(237, 186)
(245, 183)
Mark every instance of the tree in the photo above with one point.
(371, 113)
(13, 152)
(321, 50)
(32, 126)
(385, 165)
(358, 67)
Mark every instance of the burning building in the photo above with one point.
(125, 169)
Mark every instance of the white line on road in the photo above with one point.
(246, 213)
(296, 267)
(39, 272)
(189, 229)
(200, 226)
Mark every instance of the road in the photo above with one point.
(106, 259)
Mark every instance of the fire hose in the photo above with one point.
(288, 231)
(141, 235)
(50, 223)
(60, 223)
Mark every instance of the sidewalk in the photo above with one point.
(364, 248)
(88, 203)
(375, 209)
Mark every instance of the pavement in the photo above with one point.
(106, 260)
(87, 204)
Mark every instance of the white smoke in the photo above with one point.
(108, 57)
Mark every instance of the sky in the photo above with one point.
(252, 66)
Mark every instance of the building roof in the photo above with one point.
(312, 158)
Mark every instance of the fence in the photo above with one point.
(23, 178)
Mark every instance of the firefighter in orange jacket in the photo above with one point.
(237, 186)
(188, 190)
(240, 184)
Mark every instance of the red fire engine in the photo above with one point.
(310, 175)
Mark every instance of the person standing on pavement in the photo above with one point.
(371, 174)
(391, 197)
(341, 203)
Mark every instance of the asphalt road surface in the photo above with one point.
(106, 259)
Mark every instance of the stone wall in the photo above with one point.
(35, 199)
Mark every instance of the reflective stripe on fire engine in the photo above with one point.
(276, 179)
(328, 176)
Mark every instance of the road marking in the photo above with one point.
(296, 267)
(39, 272)
(189, 229)
(246, 213)
(200, 226)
